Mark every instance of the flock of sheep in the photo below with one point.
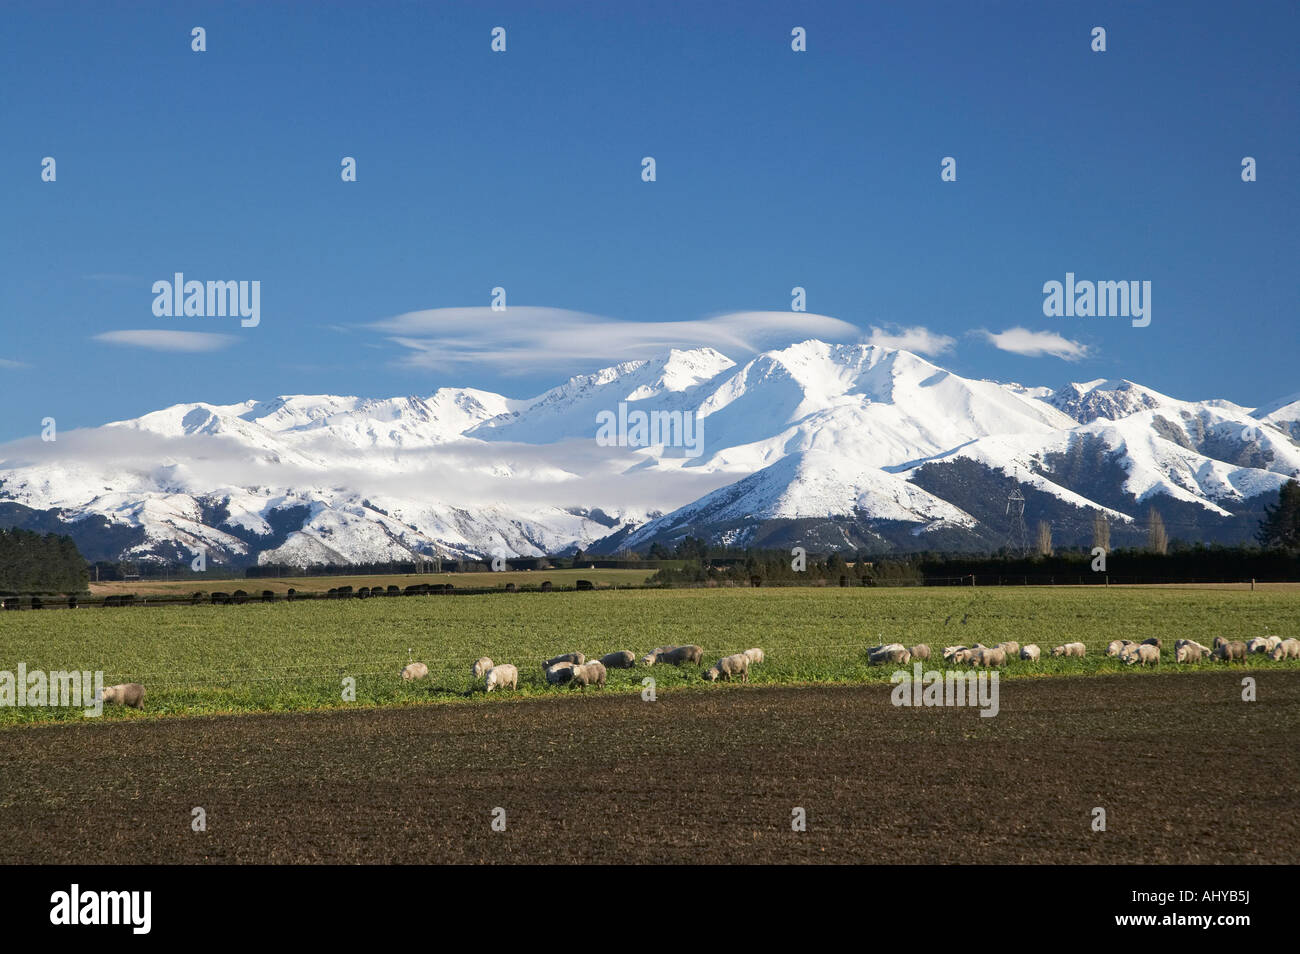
(1145, 653)
(574, 669)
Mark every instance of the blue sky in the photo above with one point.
(523, 170)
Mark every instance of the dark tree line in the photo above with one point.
(35, 563)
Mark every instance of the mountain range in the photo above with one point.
(820, 445)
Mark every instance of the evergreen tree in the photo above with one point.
(1281, 524)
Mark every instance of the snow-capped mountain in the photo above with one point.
(817, 444)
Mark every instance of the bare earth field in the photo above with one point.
(1186, 770)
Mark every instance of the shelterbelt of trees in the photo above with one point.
(35, 563)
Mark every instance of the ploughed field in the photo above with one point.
(278, 657)
(1185, 769)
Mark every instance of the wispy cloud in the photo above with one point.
(917, 339)
(158, 340)
(526, 338)
(10, 363)
(1035, 344)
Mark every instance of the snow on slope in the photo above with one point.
(809, 431)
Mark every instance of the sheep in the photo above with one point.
(590, 674)
(1153, 641)
(950, 651)
(1070, 649)
(1030, 652)
(1263, 644)
(1189, 651)
(755, 655)
(889, 654)
(962, 657)
(920, 651)
(560, 673)
(501, 676)
(1011, 648)
(988, 657)
(127, 694)
(415, 670)
(682, 654)
(729, 667)
(652, 657)
(576, 658)
(1143, 654)
(623, 659)
(1286, 649)
(1230, 650)
(481, 665)
(1117, 646)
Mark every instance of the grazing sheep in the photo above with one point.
(1263, 644)
(590, 674)
(1116, 647)
(481, 665)
(576, 658)
(1011, 648)
(652, 657)
(962, 657)
(1143, 654)
(501, 676)
(1230, 650)
(729, 667)
(682, 654)
(889, 654)
(1070, 649)
(1189, 651)
(560, 673)
(415, 670)
(920, 651)
(988, 657)
(950, 651)
(1219, 641)
(1030, 652)
(623, 659)
(127, 694)
(755, 655)
(1286, 649)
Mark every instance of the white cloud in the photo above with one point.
(918, 339)
(158, 340)
(525, 338)
(1035, 344)
(10, 363)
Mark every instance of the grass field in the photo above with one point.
(321, 584)
(295, 656)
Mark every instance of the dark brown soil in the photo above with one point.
(1186, 771)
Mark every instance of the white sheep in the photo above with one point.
(1030, 652)
(895, 653)
(728, 667)
(127, 694)
(415, 670)
(589, 674)
(1070, 649)
(623, 659)
(1286, 649)
(481, 665)
(1263, 644)
(1143, 655)
(755, 655)
(501, 676)
(920, 651)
